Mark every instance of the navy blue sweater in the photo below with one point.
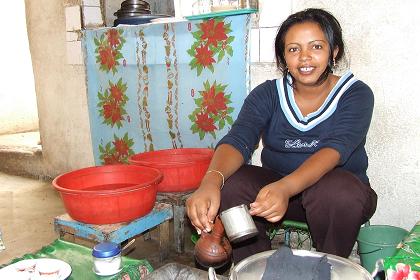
(270, 113)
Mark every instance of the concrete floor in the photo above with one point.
(27, 209)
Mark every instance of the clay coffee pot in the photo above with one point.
(213, 249)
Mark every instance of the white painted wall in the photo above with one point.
(384, 53)
(18, 109)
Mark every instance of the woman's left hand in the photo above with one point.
(271, 202)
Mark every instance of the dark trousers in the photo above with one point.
(334, 208)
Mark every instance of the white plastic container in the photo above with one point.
(226, 5)
(107, 258)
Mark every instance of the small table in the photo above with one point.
(89, 234)
(177, 200)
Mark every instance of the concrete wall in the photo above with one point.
(60, 89)
(382, 47)
(382, 39)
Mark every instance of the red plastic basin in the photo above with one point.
(183, 169)
(108, 194)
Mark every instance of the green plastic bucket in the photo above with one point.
(377, 242)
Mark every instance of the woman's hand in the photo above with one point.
(204, 203)
(271, 202)
(202, 207)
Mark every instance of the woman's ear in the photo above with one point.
(335, 52)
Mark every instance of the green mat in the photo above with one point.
(408, 253)
(81, 262)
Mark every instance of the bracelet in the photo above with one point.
(221, 174)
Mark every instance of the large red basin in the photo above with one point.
(183, 169)
(108, 194)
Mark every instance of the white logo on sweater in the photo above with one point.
(297, 144)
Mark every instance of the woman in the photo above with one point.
(313, 126)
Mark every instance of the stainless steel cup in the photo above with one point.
(238, 223)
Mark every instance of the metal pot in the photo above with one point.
(138, 19)
(238, 223)
(253, 267)
(131, 8)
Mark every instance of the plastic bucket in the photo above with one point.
(377, 242)
(183, 169)
(108, 194)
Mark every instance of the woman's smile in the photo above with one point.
(306, 70)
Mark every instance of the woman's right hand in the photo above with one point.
(202, 206)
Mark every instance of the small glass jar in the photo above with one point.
(107, 258)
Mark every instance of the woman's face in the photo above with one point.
(306, 52)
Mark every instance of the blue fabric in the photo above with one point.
(271, 113)
(165, 85)
(282, 264)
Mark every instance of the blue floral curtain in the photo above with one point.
(165, 85)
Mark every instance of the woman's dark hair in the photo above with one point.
(328, 24)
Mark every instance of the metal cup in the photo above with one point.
(238, 223)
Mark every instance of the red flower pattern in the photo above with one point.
(204, 56)
(212, 32)
(121, 147)
(211, 40)
(213, 102)
(117, 151)
(116, 93)
(402, 272)
(111, 159)
(205, 123)
(107, 57)
(143, 271)
(113, 112)
(113, 37)
(112, 102)
(108, 49)
(212, 109)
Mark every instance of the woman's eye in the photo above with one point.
(294, 49)
(317, 47)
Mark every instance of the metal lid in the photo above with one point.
(234, 208)
(141, 4)
(253, 267)
(106, 250)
